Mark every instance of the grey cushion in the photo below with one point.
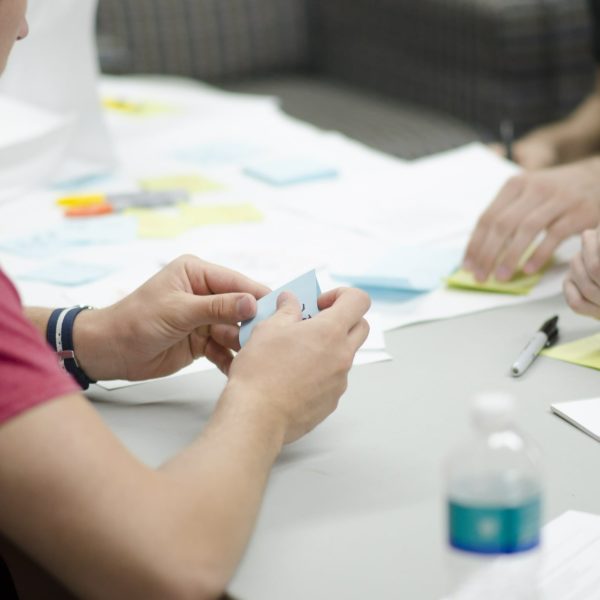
(480, 60)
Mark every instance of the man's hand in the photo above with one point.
(582, 284)
(561, 202)
(297, 370)
(188, 310)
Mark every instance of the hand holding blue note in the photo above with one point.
(305, 288)
(293, 369)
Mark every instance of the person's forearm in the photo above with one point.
(222, 477)
(125, 530)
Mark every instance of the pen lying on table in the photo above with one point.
(545, 337)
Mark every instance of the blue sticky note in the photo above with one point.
(306, 288)
(38, 245)
(68, 273)
(419, 268)
(223, 152)
(287, 171)
(111, 229)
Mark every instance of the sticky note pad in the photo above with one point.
(153, 224)
(306, 288)
(584, 352)
(584, 414)
(222, 152)
(288, 171)
(520, 284)
(137, 109)
(411, 268)
(68, 273)
(193, 184)
(218, 214)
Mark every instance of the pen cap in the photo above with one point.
(493, 410)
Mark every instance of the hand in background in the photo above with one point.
(299, 369)
(558, 202)
(582, 284)
(188, 310)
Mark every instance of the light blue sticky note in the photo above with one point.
(289, 170)
(68, 273)
(419, 268)
(306, 288)
(111, 229)
(38, 245)
(224, 152)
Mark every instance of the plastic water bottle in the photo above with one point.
(494, 498)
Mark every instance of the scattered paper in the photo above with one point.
(584, 414)
(306, 288)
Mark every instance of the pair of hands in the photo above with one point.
(192, 308)
(556, 202)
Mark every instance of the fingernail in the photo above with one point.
(503, 273)
(245, 308)
(529, 268)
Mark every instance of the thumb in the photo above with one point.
(227, 309)
(288, 309)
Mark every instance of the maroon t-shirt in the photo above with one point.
(29, 370)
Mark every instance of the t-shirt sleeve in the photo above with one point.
(29, 371)
(595, 12)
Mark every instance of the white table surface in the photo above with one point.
(355, 510)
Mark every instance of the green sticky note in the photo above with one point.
(584, 352)
(191, 183)
(520, 284)
(219, 214)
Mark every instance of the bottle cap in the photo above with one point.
(493, 409)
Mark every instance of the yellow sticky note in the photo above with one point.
(158, 225)
(520, 284)
(194, 184)
(138, 109)
(584, 352)
(216, 214)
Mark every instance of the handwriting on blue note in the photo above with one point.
(68, 273)
(289, 170)
(419, 268)
(306, 288)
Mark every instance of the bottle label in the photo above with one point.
(495, 529)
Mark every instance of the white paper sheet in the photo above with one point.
(583, 414)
